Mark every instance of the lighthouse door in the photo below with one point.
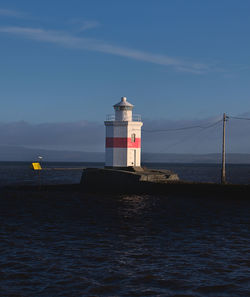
(132, 161)
(134, 158)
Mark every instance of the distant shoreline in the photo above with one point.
(143, 163)
(24, 154)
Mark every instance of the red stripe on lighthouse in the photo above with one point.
(136, 144)
(122, 142)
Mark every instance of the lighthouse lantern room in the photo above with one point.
(123, 137)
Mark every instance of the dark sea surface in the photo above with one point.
(20, 172)
(76, 244)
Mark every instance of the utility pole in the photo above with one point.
(223, 169)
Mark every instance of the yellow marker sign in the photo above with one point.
(36, 166)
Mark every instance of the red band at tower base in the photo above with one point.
(122, 142)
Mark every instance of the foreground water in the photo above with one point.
(75, 244)
(84, 245)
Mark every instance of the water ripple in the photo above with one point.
(90, 245)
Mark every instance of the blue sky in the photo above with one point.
(70, 61)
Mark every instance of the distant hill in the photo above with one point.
(14, 153)
(195, 158)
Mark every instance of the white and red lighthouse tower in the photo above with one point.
(123, 136)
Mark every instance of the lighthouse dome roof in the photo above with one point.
(124, 102)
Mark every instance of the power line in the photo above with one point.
(183, 128)
(239, 118)
(190, 136)
(180, 141)
(194, 134)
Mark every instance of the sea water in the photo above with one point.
(20, 172)
(75, 244)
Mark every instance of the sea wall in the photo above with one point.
(124, 180)
(154, 182)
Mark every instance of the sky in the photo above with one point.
(63, 64)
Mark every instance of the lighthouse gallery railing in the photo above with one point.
(135, 118)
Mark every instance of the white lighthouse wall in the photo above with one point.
(123, 157)
(123, 115)
(134, 128)
(133, 157)
(116, 131)
(134, 154)
(116, 157)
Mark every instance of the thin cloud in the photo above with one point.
(88, 25)
(11, 13)
(84, 25)
(67, 40)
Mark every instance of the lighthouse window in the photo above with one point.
(133, 138)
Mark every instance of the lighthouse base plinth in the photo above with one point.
(128, 168)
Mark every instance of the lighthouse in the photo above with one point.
(123, 172)
(123, 136)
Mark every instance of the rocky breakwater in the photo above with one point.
(127, 180)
